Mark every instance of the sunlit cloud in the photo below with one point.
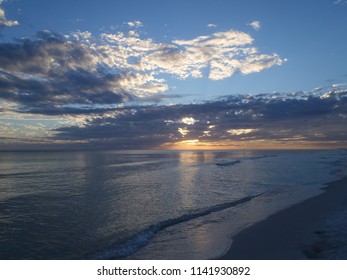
(189, 120)
(241, 131)
(183, 131)
(226, 53)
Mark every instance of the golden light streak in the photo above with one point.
(195, 144)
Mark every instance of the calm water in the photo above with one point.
(148, 204)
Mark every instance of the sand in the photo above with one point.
(313, 229)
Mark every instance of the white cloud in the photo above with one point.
(79, 35)
(338, 85)
(257, 63)
(4, 22)
(189, 120)
(222, 39)
(135, 23)
(241, 131)
(211, 25)
(255, 24)
(224, 53)
(142, 84)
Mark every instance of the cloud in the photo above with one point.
(3, 21)
(241, 131)
(249, 119)
(225, 53)
(55, 73)
(211, 25)
(255, 24)
(87, 82)
(135, 23)
(53, 87)
(338, 2)
(338, 85)
(189, 120)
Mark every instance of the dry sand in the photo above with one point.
(313, 229)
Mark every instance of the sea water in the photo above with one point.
(148, 204)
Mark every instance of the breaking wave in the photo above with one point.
(142, 238)
(229, 163)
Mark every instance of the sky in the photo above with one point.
(221, 74)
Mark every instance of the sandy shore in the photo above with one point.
(313, 229)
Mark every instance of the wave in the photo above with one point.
(135, 163)
(229, 163)
(239, 161)
(260, 157)
(139, 163)
(142, 238)
(19, 174)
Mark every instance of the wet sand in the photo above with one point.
(299, 232)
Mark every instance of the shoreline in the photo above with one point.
(301, 231)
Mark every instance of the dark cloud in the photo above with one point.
(272, 117)
(51, 72)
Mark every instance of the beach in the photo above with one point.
(313, 229)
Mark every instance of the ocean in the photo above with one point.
(148, 204)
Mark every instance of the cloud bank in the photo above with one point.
(53, 72)
(234, 121)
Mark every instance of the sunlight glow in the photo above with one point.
(260, 144)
